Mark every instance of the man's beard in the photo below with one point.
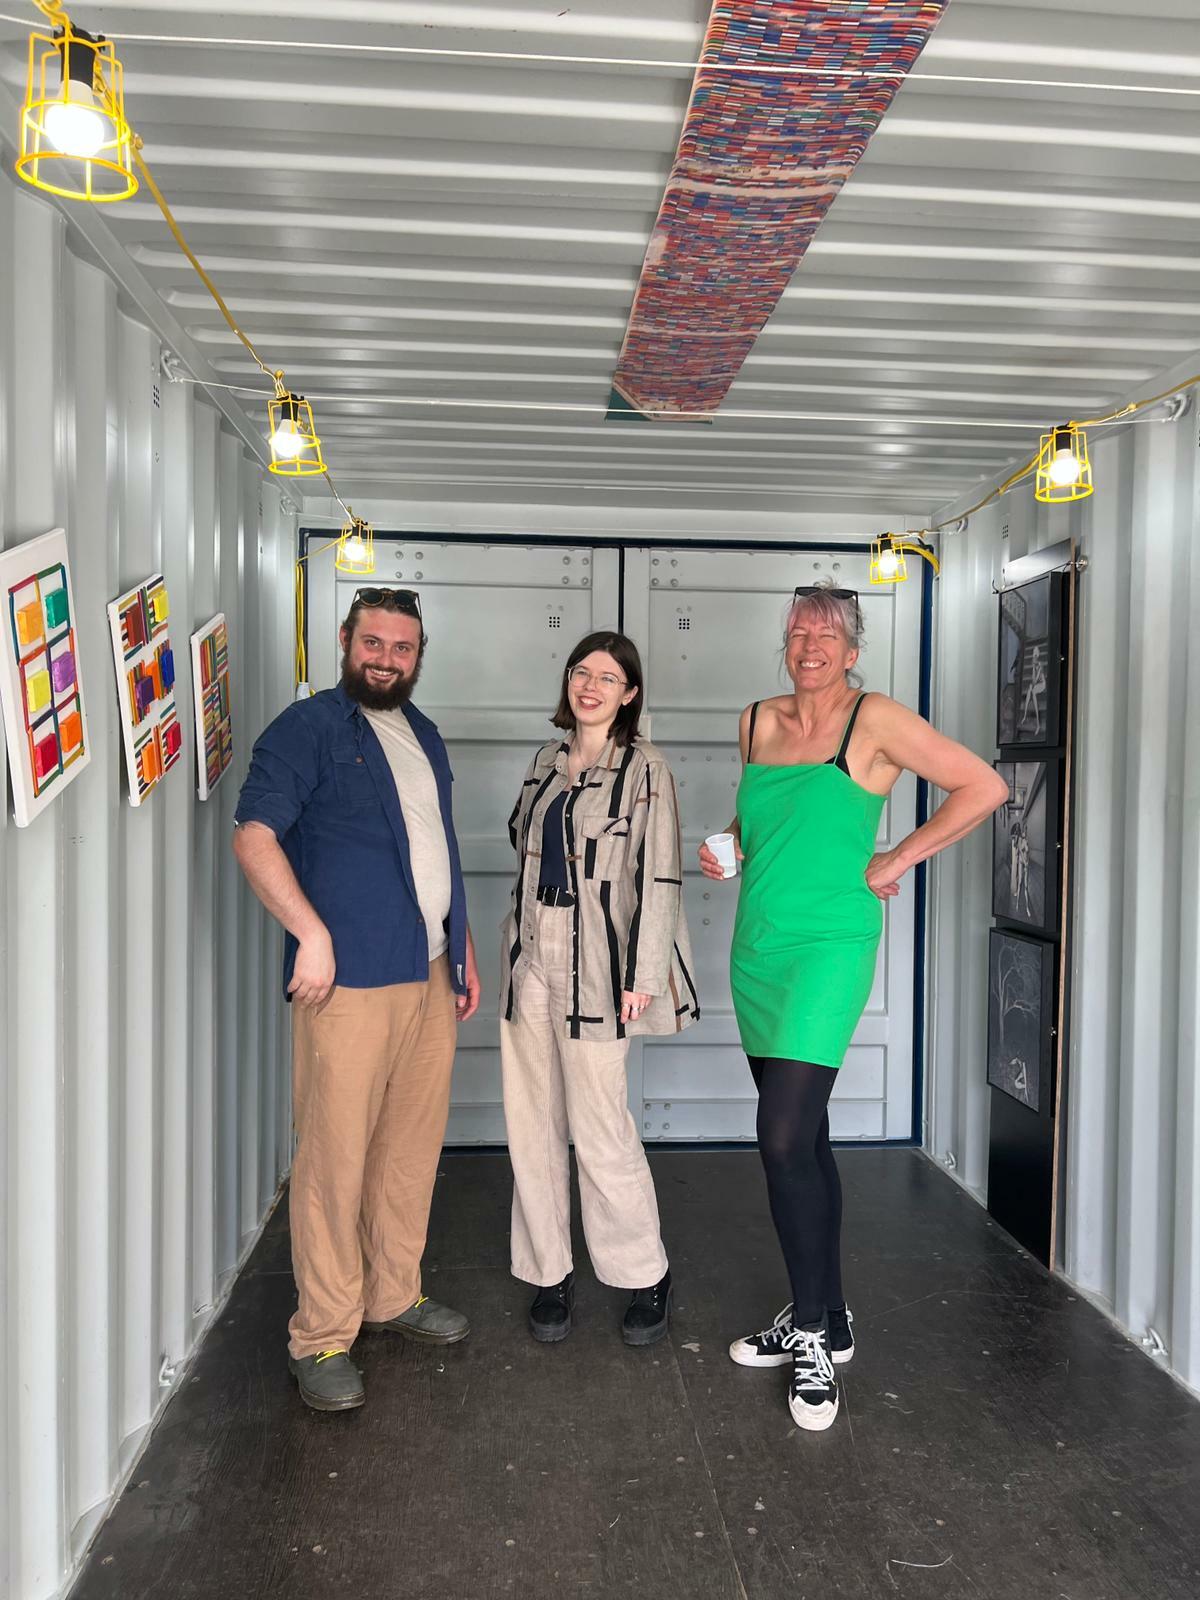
(388, 698)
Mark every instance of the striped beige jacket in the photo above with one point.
(624, 861)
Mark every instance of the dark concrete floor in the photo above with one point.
(998, 1437)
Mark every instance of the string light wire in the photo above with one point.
(654, 63)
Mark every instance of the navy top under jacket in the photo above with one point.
(320, 781)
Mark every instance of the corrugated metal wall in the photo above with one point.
(142, 1054)
(1132, 1220)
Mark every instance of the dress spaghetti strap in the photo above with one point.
(753, 719)
(839, 760)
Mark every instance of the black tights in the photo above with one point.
(802, 1180)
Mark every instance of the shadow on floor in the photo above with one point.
(998, 1437)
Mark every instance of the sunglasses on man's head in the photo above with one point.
(404, 599)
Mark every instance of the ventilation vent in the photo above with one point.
(554, 621)
(157, 398)
(684, 624)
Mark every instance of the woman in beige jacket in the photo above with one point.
(595, 950)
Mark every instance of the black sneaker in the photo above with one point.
(649, 1313)
(841, 1335)
(813, 1396)
(765, 1349)
(550, 1313)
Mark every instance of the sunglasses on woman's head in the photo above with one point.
(405, 599)
(814, 591)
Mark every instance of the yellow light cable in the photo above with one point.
(177, 234)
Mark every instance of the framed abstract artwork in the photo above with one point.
(1026, 845)
(145, 666)
(1020, 1039)
(41, 691)
(210, 691)
(1030, 689)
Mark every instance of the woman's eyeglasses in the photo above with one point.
(396, 599)
(581, 678)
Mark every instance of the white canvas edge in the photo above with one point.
(205, 628)
(27, 805)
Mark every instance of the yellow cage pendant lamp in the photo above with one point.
(1064, 470)
(295, 448)
(75, 140)
(356, 548)
(887, 557)
(887, 561)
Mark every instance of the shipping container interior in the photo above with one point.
(434, 221)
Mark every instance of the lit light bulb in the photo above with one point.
(888, 563)
(354, 549)
(287, 441)
(75, 124)
(1064, 469)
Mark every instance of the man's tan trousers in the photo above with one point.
(371, 1094)
(555, 1089)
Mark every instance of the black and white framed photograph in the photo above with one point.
(1026, 845)
(1020, 1049)
(1030, 687)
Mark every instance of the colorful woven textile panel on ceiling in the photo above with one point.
(761, 158)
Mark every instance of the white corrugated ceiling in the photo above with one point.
(421, 227)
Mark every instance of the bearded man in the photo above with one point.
(345, 833)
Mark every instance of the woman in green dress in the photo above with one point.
(819, 764)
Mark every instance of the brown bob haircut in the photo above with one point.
(624, 726)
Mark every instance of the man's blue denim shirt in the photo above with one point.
(320, 781)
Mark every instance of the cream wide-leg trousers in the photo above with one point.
(558, 1089)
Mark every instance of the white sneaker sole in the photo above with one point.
(814, 1419)
(743, 1352)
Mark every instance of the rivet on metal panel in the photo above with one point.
(706, 921)
(566, 561)
(586, 581)
(666, 1125)
(674, 583)
(666, 1105)
(654, 583)
(418, 574)
(420, 555)
(566, 580)
(587, 561)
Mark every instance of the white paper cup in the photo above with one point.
(721, 845)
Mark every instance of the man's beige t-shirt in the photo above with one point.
(417, 789)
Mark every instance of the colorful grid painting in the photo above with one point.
(145, 665)
(40, 688)
(210, 687)
(761, 158)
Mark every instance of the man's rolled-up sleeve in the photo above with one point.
(284, 771)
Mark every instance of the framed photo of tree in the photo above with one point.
(1030, 688)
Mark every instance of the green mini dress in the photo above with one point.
(807, 928)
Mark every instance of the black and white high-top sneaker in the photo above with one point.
(813, 1395)
(841, 1335)
(765, 1349)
